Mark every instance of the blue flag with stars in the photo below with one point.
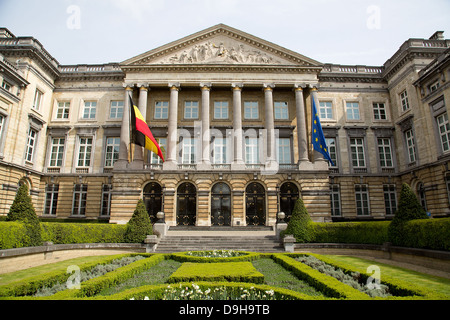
(318, 139)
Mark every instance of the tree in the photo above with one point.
(409, 208)
(22, 210)
(139, 225)
(300, 225)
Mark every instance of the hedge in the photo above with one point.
(12, 234)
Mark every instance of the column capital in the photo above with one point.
(268, 86)
(128, 86)
(314, 86)
(143, 86)
(205, 85)
(174, 85)
(299, 86)
(237, 85)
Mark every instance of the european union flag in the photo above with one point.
(318, 139)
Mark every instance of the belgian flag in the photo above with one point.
(140, 132)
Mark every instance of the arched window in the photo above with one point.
(289, 194)
(186, 204)
(221, 205)
(153, 199)
(422, 196)
(255, 199)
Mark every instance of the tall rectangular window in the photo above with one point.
(284, 151)
(379, 111)
(281, 111)
(154, 158)
(326, 110)
(189, 151)
(404, 100)
(251, 150)
(191, 110)
(357, 152)
(37, 100)
(362, 199)
(85, 152)
(220, 151)
(410, 145)
(332, 150)
(444, 131)
(390, 198)
(112, 151)
(221, 110)
(106, 200)
(116, 110)
(161, 110)
(353, 111)
(90, 110)
(335, 197)
(2, 126)
(57, 152)
(79, 199)
(51, 198)
(31, 145)
(385, 152)
(251, 110)
(63, 110)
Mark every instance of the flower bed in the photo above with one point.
(216, 253)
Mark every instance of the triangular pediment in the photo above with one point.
(221, 45)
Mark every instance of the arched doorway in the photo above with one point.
(153, 199)
(289, 194)
(221, 205)
(255, 200)
(186, 204)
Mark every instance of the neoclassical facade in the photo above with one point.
(232, 113)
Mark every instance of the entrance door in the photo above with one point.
(221, 205)
(289, 194)
(255, 198)
(153, 200)
(186, 204)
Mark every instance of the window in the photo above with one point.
(51, 198)
(161, 110)
(379, 111)
(281, 111)
(112, 151)
(434, 86)
(188, 151)
(221, 110)
(390, 198)
(6, 85)
(251, 110)
(154, 158)
(79, 199)
(410, 145)
(335, 197)
(385, 152)
(362, 199)
(444, 131)
(84, 152)
(357, 152)
(106, 200)
(353, 111)
(284, 151)
(251, 150)
(422, 196)
(2, 125)
(332, 150)
(57, 152)
(447, 183)
(326, 110)
(116, 110)
(31, 144)
(63, 110)
(37, 100)
(404, 100)
(90, 110)
(191, 110)
(220, 151)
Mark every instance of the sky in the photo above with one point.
(347, 32)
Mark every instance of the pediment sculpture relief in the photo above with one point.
(211, 53)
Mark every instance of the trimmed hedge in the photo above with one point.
(183, 257)
(12, 234)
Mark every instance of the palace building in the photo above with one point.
(232, 113)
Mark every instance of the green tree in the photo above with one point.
(139, 225)
(22, 210)
(409, 208)
(300, 225)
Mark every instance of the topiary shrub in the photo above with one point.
(22, 210)
(300, 225)
(139, 225)
(409, 208)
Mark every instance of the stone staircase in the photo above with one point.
(227, 238)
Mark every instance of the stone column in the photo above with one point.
(172, 137)
(238, 163)
(138, 161)
(122, 162)
(317, 155)
(206, 132)
(301, 125)
(270, 125)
